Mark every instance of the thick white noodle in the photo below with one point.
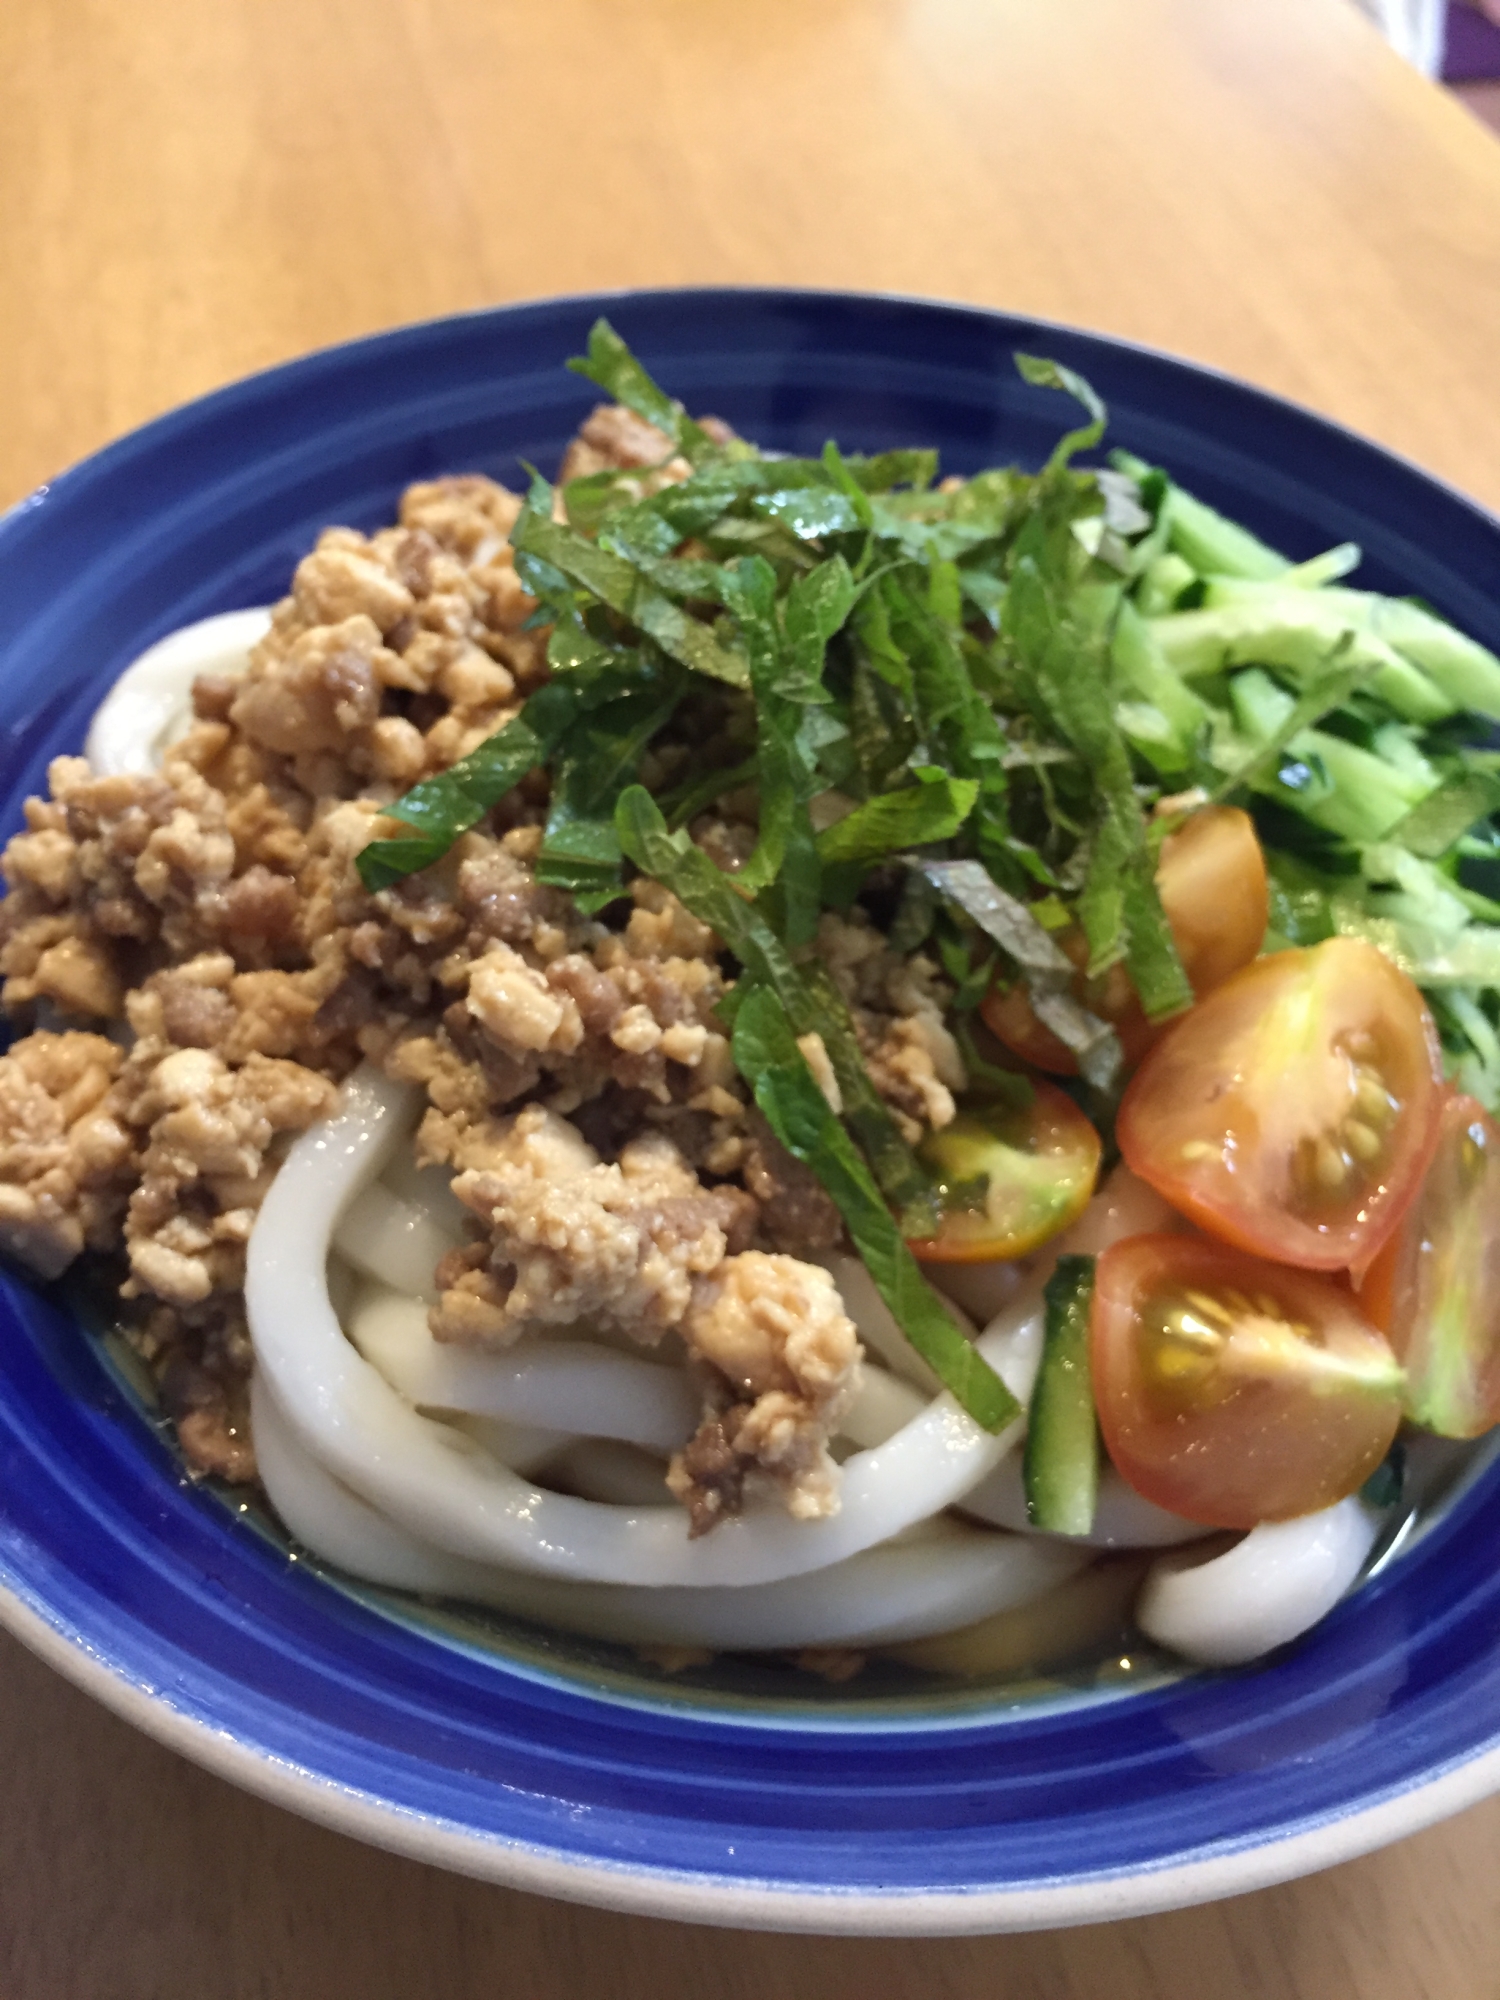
(883, 1404)
(335, 1523)
(1012, 1343)
(151, 703)
(1122, 1519)
(1123, 1207)
(878, 1597)
(411, 1468)
(621, 1475)
(1276, 1583)
(569, 1385)
(430, 1189)
(523, 1447)
(393, 1239)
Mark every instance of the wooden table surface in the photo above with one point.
(188, 192)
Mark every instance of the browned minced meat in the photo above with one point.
(64, 1149)
(201, 942)
(780, 1361)
(797, 1213)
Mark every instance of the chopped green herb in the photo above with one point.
(1440, 820)
(766, 1054)
(811, 1000)
(933, 809)
(443, 807)
(610, 364)
(783, 686)
(623, 586)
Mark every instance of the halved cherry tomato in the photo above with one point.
(1293, 1111)
(1211, 877)
(1435, 1287)
(1231, 1390)
(1009, 1177)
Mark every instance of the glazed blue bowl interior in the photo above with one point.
(561, 1766)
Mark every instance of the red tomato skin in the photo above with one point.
(1434, 1289)
(1238, 1449)
(1193, 1119)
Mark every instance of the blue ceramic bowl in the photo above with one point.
(569, 1769)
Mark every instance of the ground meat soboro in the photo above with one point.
(578, 1080)
(66, 1154)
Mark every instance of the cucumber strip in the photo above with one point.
(1367, 797)
(1346, 790)
(1327, 568)
(1261, 705)
(1061, 1465)
(1472, 959)
(1299, 632)
(1163, 582)
(1141, 665)
(1466, 671)
(1394, 745)
(1382, 628)
(1147, 730)
(1213, 545)
(1216, 547)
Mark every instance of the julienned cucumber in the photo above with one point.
(1062, 1436)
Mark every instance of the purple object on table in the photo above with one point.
(1473, 47)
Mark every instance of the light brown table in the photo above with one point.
(188, 192)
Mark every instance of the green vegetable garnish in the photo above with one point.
(441, 808)
(1062, 1433)
(811, 1001)
(798, 1113)
(957, 706)
(610, 364)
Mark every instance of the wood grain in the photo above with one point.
(191, 192)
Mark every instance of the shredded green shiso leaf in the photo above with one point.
(959, 704)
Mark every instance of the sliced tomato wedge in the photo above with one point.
(1232, 1390)
(1435, 1287)
(1007, 1177)
(1293, 1111)
(1211, 877)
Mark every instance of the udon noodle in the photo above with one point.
(363, 1450)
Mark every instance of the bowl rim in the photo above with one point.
(641, 1890)
(330, 352)
(636, 1887)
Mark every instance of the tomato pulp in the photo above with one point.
(1008, 1177)
(1232, 1390)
